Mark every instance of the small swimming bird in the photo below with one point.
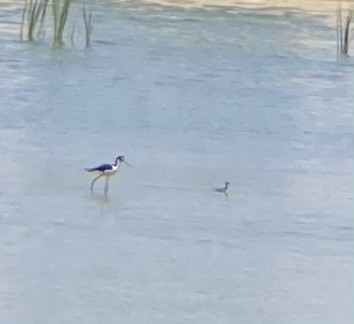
(107, 170)
(224, 189)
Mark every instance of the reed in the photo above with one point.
(88, 24)
(344, 14)
(60, 16)
(24, 11)
(346, 34)
(35, 13)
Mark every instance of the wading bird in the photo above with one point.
(224, 189)
(107, 170)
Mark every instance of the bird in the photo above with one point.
(107, 170)
(223, 189)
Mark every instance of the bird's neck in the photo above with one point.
(226, 186)
(117, 165)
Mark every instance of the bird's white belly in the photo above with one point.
(109, 173)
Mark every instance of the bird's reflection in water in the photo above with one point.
(102, 199)
(106, 204)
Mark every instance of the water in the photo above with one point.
(193, 97)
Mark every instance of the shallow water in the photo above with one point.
(192, 97)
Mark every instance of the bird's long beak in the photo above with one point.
(128, 164)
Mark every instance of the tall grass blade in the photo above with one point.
(88, 24)
(23, 19)
(346, 34)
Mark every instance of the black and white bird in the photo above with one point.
(223, 189)
(107, 170)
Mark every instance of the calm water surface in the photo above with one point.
(192, 97)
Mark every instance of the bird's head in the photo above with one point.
(227, 183)
(121, 158)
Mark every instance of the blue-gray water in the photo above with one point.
(192, 97)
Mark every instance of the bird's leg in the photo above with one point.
(94, 180)
(106, 186)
